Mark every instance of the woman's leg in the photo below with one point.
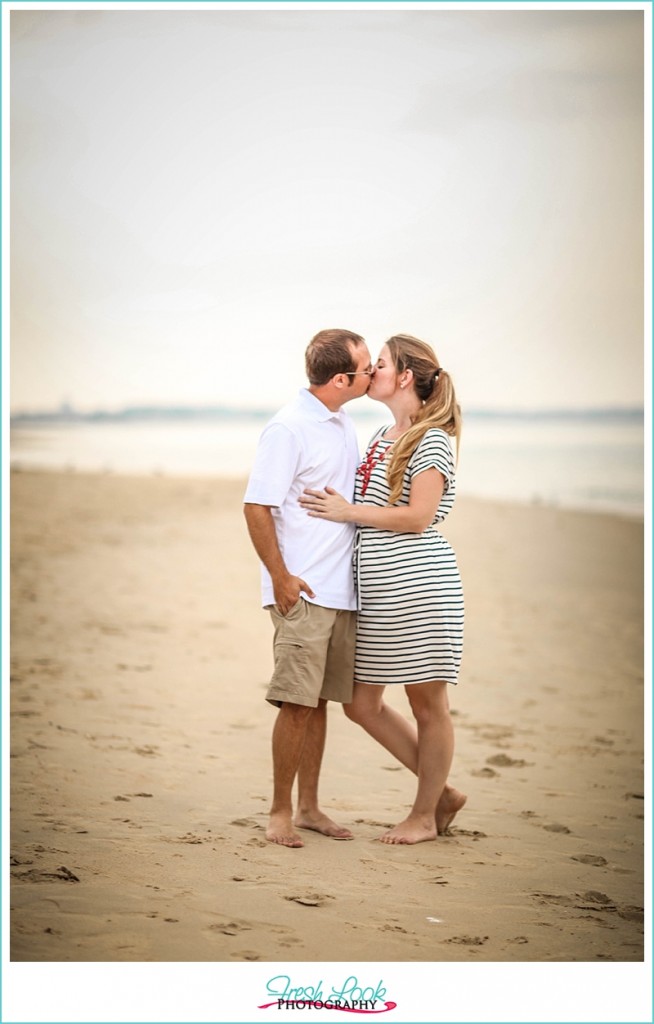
(431, 710)
(400, 737)
(386, 725)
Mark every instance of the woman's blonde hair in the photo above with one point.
(439, 405)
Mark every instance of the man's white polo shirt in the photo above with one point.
(307, 445)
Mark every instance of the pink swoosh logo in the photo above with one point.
(332, 1006)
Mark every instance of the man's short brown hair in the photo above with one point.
(329, 353)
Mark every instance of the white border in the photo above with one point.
(484, 992)
(325, 5)
(443, 992)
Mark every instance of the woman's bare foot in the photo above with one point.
(449, 805)
(319, 822)
(280, 830)
(411, 830)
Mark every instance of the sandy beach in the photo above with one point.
(140, 759)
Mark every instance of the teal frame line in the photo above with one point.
(337, 3)
(615, 4)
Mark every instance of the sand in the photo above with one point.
(140, 760)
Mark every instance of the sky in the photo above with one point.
(195, 193)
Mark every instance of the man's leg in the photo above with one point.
(288, 741)
(309, 814)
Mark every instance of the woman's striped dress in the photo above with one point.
(410, 622)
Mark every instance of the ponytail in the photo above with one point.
(439, 409)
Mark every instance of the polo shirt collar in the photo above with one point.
(318, 409)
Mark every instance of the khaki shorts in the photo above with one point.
(314, 655)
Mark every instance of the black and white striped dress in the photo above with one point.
(410, 621)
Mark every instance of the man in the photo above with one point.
(307, 572)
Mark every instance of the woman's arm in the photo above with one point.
(424, 498)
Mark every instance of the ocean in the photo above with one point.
(592, 461)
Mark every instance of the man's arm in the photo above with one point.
(261, 527)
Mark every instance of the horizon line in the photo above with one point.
(66, 412)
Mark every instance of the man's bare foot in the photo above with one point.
(280, 830)
(411, 830)
(449, 805)
(319, 822)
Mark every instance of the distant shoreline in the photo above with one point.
(583, 460)
(145, 413)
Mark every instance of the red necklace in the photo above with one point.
(367, 466)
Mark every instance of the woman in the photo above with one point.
(410, 623)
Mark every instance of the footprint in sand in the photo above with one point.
(246, 954)
(230, 927)
(591, 858)
(632, 914)
(555, 827)
(497, 734)
(550, 897)
(593, 900)
(504, 761)
(469, 940)
(310, 899)
(375, 824)
(62, 874)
